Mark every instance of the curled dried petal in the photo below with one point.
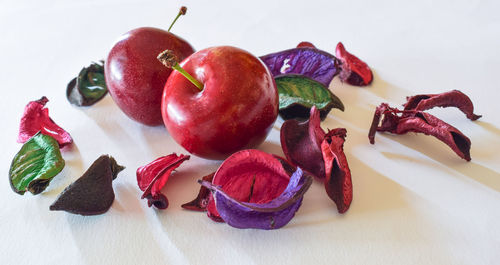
(338, 183)
(454, 98)
(36, 119)
(421, 122)
(306, 44)
(313, 63)
(354, 71)
(265, 215)
(301, 143)
(152, 177)
(88, 87)
(200, 203)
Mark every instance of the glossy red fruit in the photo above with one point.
(235, 110)
(135, 78)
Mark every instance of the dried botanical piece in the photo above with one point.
(253, 190)
(36, 119)
(152, 177)
(301, 143)
(419, 122)
(354, 71)
(313, 63)
(92, 193)
(88, 87)
(200, 203)
(35, 165)
(338, 183)
(454, 98)
(297, 94)
(306, 44)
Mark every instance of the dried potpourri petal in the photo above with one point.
(354, 71)
(153, 176)
(338, 183)
(92, 193)
(200, 203)
(454, 98)
(306, 44)
(313, 63)
(253, 190)
(88, 87)
(419, 122)
(36, 119)
(297, 94)
(301, 143)
(35, 165)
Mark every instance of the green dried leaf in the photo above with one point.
(298, 93)
(34, 166)
(89, 87)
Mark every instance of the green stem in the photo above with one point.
(182, 11)
(188, 76)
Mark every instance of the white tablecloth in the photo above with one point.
(415, 201)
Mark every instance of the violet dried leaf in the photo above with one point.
(354, 71)
(301, 143)
(152, 177)
(297, 94)
(35, 165)
(313, 63)
(88, 87)
(454, 98)
(269, 215)
(36, 119)
(92, 193)
(338, 183)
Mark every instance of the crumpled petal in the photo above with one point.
(354, 71)
(152, 177)
(269, 215)
(200, 203)
(313, 63)
(306, 44)
(301, 143)
(454, 98)
(338, 183)
(419, 122)
(36, 119)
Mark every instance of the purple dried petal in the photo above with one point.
(313, 63)
(271, 215)
(36, 119)
(454, 98)
(301, 143)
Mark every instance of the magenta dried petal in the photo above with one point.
(454, 98)
(301, 143)
(201, 201)
(36, 119)
(270, 215)
(152, 177)
(313, 63)
(338, 183)
(354, 71)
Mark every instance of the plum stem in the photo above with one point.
(170, 60)
(182, 12)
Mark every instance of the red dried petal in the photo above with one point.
(250, 176)
(152, 177)
(338, 183)
(301, 143)
(454, 98)
(420, 122)
(201, 201)
(354, 71)
(36, 119)
(306, 44)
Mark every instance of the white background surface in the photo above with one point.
(415, 201)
